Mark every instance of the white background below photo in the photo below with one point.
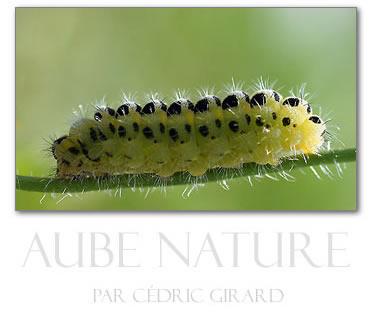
(356, 292)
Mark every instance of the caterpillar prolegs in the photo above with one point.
(164, 139)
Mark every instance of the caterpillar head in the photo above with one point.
(67, 153)
(55, 144)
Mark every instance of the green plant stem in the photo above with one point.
(129, 181)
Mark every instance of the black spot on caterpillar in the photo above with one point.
(163, 138)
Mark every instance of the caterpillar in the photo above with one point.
(162, 139)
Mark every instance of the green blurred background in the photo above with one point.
(71, 57)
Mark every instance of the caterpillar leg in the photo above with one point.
(198, 167)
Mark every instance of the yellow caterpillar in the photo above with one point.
(164, 139)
